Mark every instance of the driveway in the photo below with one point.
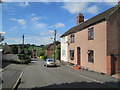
(36, 75)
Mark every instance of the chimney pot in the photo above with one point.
(80, 18)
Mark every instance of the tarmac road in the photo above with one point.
(36, 75)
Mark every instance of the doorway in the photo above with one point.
(78, 55)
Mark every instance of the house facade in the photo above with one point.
(53, 48)
(50, 50)
(94, 44)
(64, 49)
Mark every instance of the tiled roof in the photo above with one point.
(96, 19)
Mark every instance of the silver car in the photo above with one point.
(50, 62)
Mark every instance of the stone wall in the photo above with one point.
(9, 57)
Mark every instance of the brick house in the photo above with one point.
(51, 49)
(34, 53)
(94, 44)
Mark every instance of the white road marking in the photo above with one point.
(17, 81)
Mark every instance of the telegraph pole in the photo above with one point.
(23, 39)
(23, 42)
(54, 44)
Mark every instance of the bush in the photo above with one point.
(23, 56)
(24, 59)
(23, 62)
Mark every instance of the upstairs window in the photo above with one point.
(63, 52)
(91, 56)
(91, 33)
(72, 38)
(71, 54)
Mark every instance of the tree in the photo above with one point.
(14, 49)
(57, 53)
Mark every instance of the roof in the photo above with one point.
(51, 46)
(94, 20)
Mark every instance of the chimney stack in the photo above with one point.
(80, 18)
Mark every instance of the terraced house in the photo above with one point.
(95, 43)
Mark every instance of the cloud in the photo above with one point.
(14, 40)
(74, 7)
(58, 25)
(23, 4)
(49, 32)
(35, 18)
(38, 40)
(13, 28)
(111, 3)
(80, 7)
(20, 21)
(33, 14)
(40, 25)
(93, 10)
(62, 0)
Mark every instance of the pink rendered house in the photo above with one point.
(95, 43)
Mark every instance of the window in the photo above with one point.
(72, 38)
(90, 56)
(63, 52)
(63, 40)
(71, 54)
(91, 33)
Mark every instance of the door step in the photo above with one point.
(77, 67)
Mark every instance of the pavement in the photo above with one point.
(36, 76)
(78, 68)
(11, 74)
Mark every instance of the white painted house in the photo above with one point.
(64, 49)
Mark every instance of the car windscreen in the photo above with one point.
(50, 61)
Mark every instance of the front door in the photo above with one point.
(78, 55)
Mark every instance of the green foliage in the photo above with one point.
(14, 49)
(23, 56)
(57, 53)
(23, 62)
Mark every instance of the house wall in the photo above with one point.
(49, 53)
(98, 45)
(71, 46)
(113, 43)
(64, 49)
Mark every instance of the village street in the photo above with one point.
(36, 75)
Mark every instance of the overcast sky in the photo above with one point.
(38, 20)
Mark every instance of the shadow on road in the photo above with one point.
(83, 85)
(52, 66)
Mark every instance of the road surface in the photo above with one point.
(36, 75)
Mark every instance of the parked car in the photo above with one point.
(50, 62)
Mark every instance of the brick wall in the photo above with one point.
(49, 53)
